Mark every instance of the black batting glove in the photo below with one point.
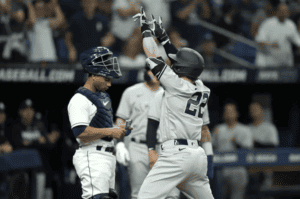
(159, 31)
(145, 26)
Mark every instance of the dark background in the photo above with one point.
(52, 100)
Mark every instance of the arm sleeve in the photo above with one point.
(124, 109)
(170, 49)
(78, 111)
(78, 130)
(152, 127)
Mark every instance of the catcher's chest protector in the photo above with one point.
(104, 115)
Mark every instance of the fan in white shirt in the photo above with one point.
(275, 37)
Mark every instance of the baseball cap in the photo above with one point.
(2, 107)
(25, 104)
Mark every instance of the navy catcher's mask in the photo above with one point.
(100, 61)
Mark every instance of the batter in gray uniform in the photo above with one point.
(134, 105)
(182, 162)
(228, 137)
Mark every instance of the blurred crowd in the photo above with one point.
(43, 31)
(30, 131)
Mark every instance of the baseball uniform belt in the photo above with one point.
(172, 143)
(107, 149)
(185, 142)
(138, 141)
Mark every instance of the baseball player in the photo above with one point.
(134, 105)
(91, 117)
(182, 162)
(228, 137)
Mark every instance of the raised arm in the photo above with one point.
(59, 19)
(31, 14)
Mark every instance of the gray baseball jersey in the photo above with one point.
(223, 137)
(182, 113)
(134, 105)
(265, 133)
(183, 108)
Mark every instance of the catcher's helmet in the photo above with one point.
(188, 62)
(100, 61)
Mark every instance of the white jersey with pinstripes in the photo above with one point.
(183, 109)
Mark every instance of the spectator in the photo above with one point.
(247, 10)
(13, 47)
(42, 47)
(58, 33)
(207, 50)
(105, 8)
(228, 137)
(14, 181)
(70, 7)
(127, 33)
(30, 133)
(87, 29)
(230, 21)
(265, 135)
(265, 10)
(185, 14)
(275, 36)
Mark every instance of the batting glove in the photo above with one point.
(145, 27)
(158, 31)
(210, 167)
(152, 62)
(122, 154)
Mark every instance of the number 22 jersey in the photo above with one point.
(183, 110)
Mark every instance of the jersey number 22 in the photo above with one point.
(196, 103)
